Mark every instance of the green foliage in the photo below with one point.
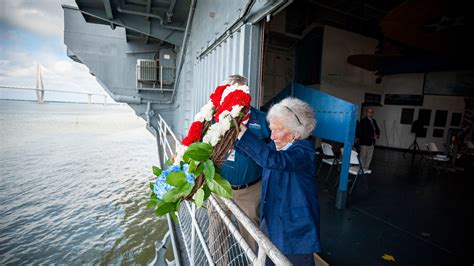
(153, 200)
(199, 169)
(209, 169)
(207, 191)
(198, 151)
(157, 171)
(192, 166)
(167, 207)
(176, 193)
(174, 217)
(199, 198)
(220, 186)
(176, 179)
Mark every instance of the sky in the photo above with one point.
(31, 32)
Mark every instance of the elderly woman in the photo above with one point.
(289, 203)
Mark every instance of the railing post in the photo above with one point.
(193, 234)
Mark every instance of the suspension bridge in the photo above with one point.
(40, 90)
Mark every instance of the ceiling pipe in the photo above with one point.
(183, 49)
(131, 12)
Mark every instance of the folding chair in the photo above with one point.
(435, 158)
(329, 158)
(356, 169)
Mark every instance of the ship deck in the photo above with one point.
(409, 213)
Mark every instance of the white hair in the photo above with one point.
(233, 79)
(296, 116)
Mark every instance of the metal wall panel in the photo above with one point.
(237, 54)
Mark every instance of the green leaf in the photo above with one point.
(220, 186)
(165, 208)
(177, 192)
(198, 151)
(157, 170)
(209, 169)
(178, 205)
(192, 166)
(172, 195)
(176, 179)
(153, 200)
(199, 198)
(152, 186)
(150, 204)
(207, 191)
(186, 158)
(169, 162)
(199, 169)
(174, 217)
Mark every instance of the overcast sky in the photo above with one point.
(31, 31)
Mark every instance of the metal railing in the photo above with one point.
(210, 235)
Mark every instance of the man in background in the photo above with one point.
(367, 133)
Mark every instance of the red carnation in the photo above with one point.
(217, 95)
(194, 134)
(237, 97)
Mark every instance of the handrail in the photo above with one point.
(262, 240)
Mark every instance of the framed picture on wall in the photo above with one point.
(440, 118)
(456, 119)
(372, 99)
(424, 115)
(403, 99)
(407, 116)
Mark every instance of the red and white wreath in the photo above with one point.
(217, 116)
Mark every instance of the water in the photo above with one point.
(74, 185)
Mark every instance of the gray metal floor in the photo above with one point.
(409, 212)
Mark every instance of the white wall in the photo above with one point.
(350, 83)
(340, 78)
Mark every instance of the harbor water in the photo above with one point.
(74, 185)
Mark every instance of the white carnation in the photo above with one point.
(205, 113)
(235, 112)
(223, 114)
(212, 136)
(224, 125)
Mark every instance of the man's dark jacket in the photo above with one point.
(366, 132)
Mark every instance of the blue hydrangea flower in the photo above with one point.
(185, 167)
(161, 187)
(189, 176)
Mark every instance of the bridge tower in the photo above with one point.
(39, 85)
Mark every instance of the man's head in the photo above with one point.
(236, 79)
(370, 112)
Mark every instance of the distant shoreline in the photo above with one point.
(46, 102)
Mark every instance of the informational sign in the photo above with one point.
(403, 99)
(372, 99)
